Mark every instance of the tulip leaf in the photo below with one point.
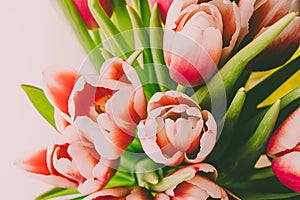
(121, 178)
(230, 121)
(242, 161)
(234, 67)
(40, 102)
(259, 92)
(252, 195)
(146, 172)
(122, 20)
(81, 32)
(57, 192)
(118, 43)
(106, 54)
(145, 11)
(156, 43)
(262, 173)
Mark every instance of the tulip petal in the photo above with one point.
(147, 136)
(109, 192)
(59, 83)
(286, 136)
(287, 169)
(139, 193)
(100, 138)
(89, 186)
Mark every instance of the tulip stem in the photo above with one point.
(97, 37)
(180, 88)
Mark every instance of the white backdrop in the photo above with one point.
(33, 36)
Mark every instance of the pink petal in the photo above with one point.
(188, 191)
(170, 97)
(231, 30)
(110, 192)
(286, 136)
(161, 196)
(105, 170)
(164, 6)
(139, 193)
(147, 136)
(59, 83)
(100, 137)
(273, 56)
(208, 138)
(287, 169)
(212, 189)
(89, 186)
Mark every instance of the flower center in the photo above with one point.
(100, 104)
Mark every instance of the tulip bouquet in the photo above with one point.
(166, 105)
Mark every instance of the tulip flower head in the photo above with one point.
(196, 186)
(176, 129)
(73, 164)
(284, 145)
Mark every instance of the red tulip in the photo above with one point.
(176, 129)
(284, 145)
(265, 14)
(197, 36)
(163, 5)
(121, 193)
(86, 15)
(74, 164)
(196, 186)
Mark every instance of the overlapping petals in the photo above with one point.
(108, 108)
(285, 147)
(196, 186)
(265, 14)
(73, 164)
(176, 130)
(121, 193)
(198, 36)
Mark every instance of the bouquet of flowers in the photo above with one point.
(167, 104)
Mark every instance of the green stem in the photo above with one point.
(97, 37)
(262, 173)
(181, 88)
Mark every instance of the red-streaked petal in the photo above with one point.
(36, 163)
(139, 193)
(59, 83)
(287, 135)
(287, 169)
(187, 191)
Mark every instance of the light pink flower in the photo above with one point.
(196, 186)
(86, 15)
(197, 36)
(176, 129)
(73, 164)
(107, 108)
(265, 14)
(121, 193)
(284, 146)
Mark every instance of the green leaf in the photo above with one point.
(145, 12)
(57, 192)
(122, 20)
(146, 172)
(231, 119)
(81, 32)
(40, 102)
(262, 173)
(242, 161)
(112, 33)
(142, 33)
(121, 178)
(234, 67)
(156, 44)
(259, 92)
(266, 196)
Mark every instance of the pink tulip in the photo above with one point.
(284, 146)
(107, 108)
(196, 186)
(265, 14)
(196, 39)
(86, 15)
(176, 129)
(121, 193)
(73, 164)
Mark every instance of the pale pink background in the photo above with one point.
(33, 36)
